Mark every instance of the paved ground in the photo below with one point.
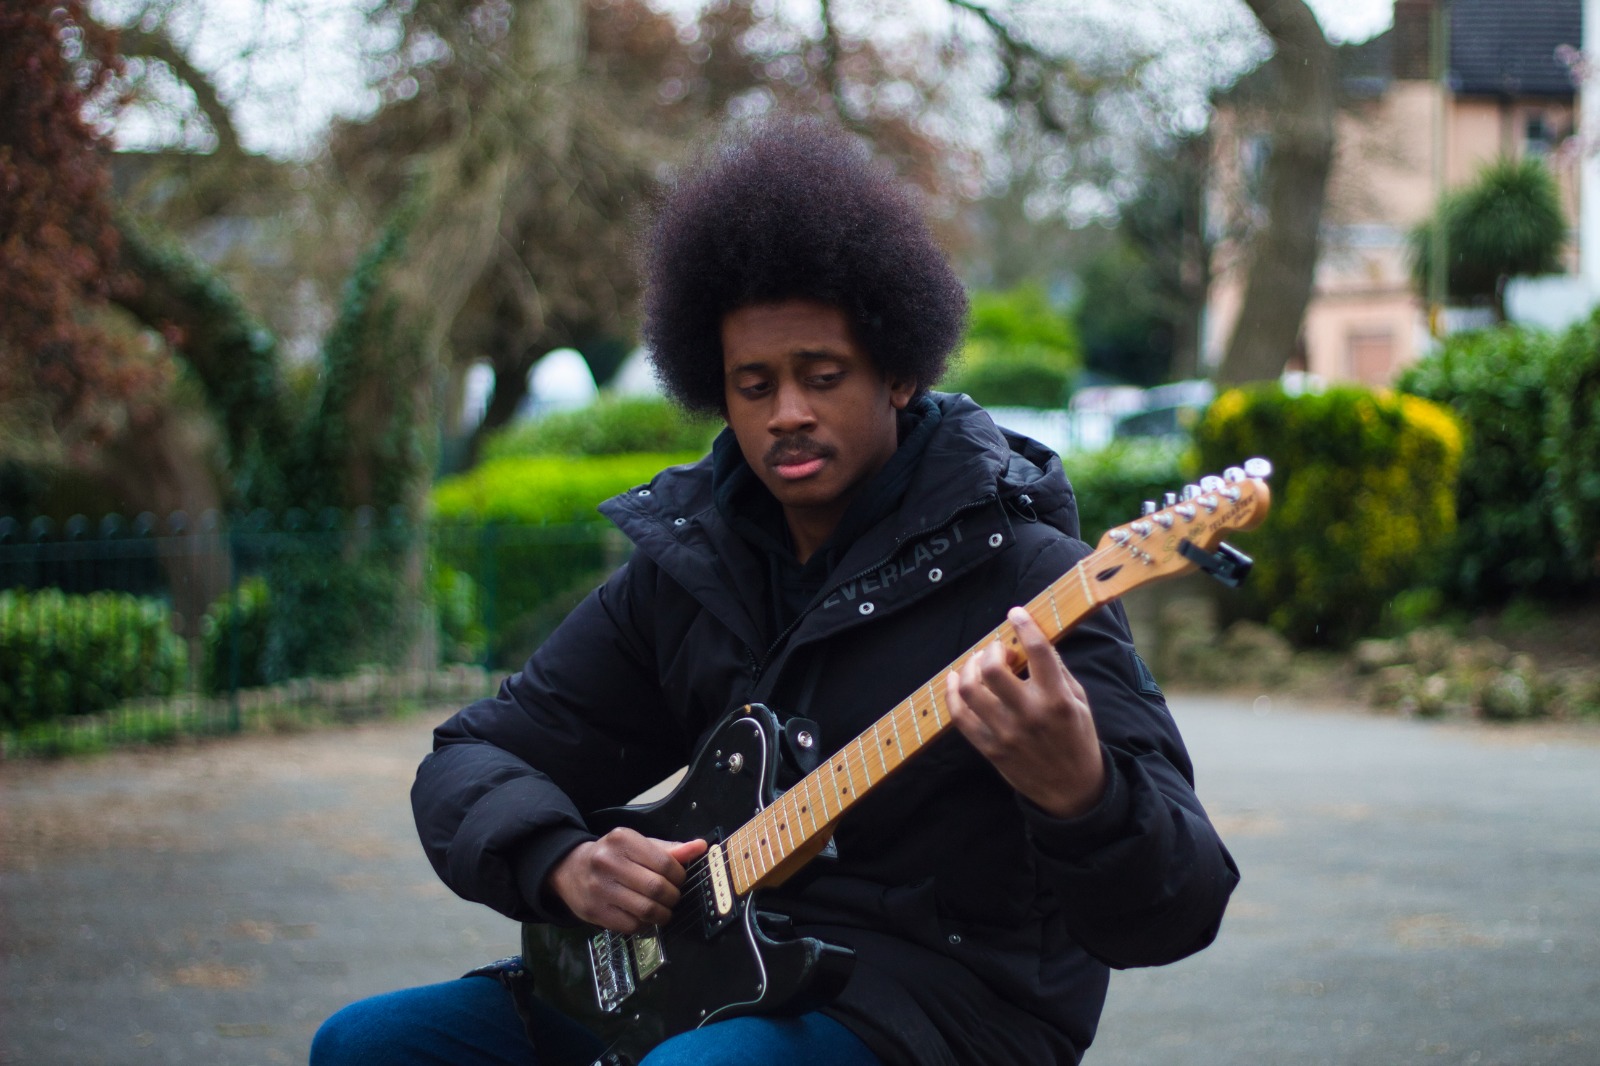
(1414, 893)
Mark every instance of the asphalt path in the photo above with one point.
(1414, 893)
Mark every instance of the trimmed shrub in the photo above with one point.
(1363, 493)
(1019, 351)
(612, 426)
(73, 655)
(1019, 382)
(1529, 495)
(526, 530)
(1572, 449)
(1111, 483)
(233, 636)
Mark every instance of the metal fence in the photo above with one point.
(142, 629)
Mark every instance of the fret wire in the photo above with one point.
(878, 744)
(785, 820)
(810, 806)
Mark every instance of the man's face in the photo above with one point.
(813, 415)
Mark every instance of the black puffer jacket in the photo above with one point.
(983, 928)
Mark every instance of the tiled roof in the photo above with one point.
(1509, 46)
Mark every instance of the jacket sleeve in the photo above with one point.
(1143, 879)
(582, 726)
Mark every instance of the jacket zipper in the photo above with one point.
(894, 549)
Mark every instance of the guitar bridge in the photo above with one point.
(611, 963)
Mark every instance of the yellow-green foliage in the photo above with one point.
(544, 490)
(1363, 494)
(525, 530)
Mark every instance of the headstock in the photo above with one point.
(1185, 534)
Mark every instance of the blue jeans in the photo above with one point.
(473, 1021)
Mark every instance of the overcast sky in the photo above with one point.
(287, 66)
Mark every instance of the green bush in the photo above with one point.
(1019, 382)
(1022, 322)
(458, 603)
(612, 426)
(526, 530)
(1019, 351)
(1111, 483)
(1507, 222)
(1572, 449)
(62, 654)
(234, 635)
(1363, 494)
(1529, 496)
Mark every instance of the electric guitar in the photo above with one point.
(720, 956)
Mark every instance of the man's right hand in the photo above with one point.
(624, 881)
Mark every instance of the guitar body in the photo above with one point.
(707, 964)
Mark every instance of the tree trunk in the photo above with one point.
(1284, 255)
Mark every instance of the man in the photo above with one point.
(850, 534)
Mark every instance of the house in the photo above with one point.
(1403, 136)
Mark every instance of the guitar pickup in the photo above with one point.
(718, 903)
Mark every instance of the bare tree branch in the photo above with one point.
(155, 44)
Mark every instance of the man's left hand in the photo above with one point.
(1037, 731)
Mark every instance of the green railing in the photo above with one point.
(140, 629)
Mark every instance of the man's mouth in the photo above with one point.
(793, 463)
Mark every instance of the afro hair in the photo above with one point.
(794, 209)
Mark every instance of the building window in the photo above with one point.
(1538, 139)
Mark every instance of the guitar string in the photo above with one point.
(699, 873)
(853, 755)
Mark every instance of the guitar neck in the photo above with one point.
(1159, 545)
(799, 820)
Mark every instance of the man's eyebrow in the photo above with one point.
(809, 354)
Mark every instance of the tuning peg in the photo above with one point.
(1148, 507)
(1211, 483)
(1234, 473)
(1170, 498)
(1258, 467)
(1191, 491)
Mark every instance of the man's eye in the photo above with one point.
(824, 380)
(754, 389)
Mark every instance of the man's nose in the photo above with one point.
(792, 412)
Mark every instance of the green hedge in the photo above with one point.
(527, 532)
(1529, 494)
(612, 426)
(1111, 483)
(234, 637)
(1363, 498)
(73, 655)
(1023, 381)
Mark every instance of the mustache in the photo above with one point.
(796, 449)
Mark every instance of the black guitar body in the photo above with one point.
(702, 966)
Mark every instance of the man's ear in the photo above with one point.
(900, 392)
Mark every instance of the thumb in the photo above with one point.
(686, 851)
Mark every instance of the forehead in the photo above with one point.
(759, 333)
